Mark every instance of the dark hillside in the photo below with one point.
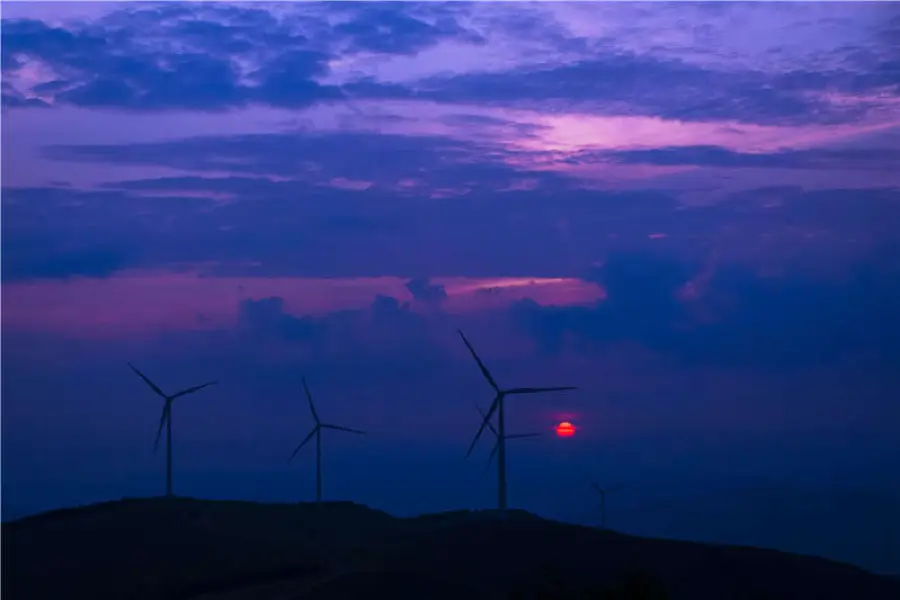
(156, 548)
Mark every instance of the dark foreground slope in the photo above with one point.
(155, 548)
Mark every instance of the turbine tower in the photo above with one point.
(513, 436)
(317, 432)
(166, 419)
(497, 406)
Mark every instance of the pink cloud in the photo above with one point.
(141, 302)
(350, 184)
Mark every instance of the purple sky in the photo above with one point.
(688, 210)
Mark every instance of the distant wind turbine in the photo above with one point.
(166, 419)
(497, 406)
(512, 436)
(602, 492)
(317, 432)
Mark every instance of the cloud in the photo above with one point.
(12, 98)
(207, 58)
(881, 159)
(289, 80)
(211, 57)
(640, 306)
(128, 61)
(319, 157)
(629, 84)
(388, 28)
(53, 244)
(737, 318)
(387, 329)
(266, 318)
(273, 228)
(479, 124)
(258, 227)
(425, 291)
(98, 261)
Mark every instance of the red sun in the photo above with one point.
(565, 429)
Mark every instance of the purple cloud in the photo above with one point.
(425, 291)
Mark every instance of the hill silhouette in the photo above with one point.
(182, 548)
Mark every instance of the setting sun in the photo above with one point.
(565, 429)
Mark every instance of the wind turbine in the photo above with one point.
(513, 436)
(166, 419)
(317, 432)
(603, 491)
(497, 406)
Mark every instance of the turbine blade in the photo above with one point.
(484, 423)
(303, 443)
(540, 390)
(147, 381)
(162, 421)
(191, 390)
(522, 436)
(309, 398)
(484, 371)
(614, 488)
(484, 417)
(340, 428)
